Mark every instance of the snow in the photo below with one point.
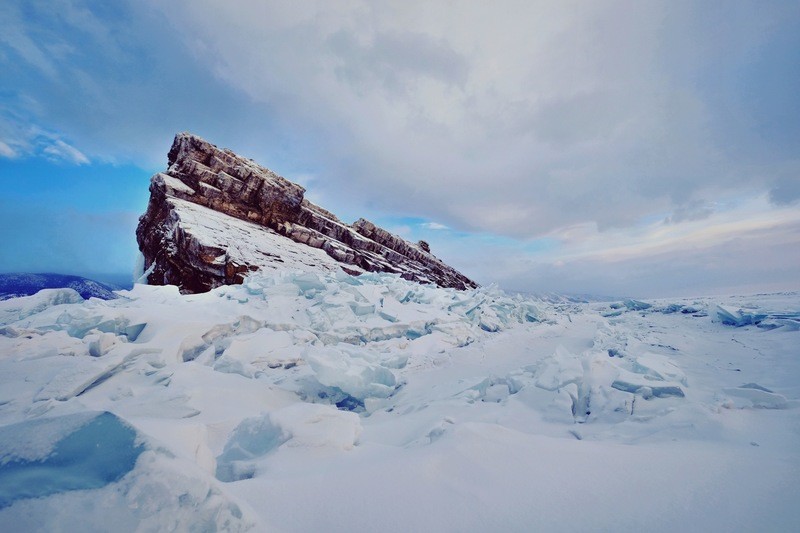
(314, 400)
(244, 242)
(16, 309)
(99, 451)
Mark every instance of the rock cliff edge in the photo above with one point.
(215, 216)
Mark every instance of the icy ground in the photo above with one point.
(303, 402)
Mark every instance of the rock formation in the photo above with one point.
(214, 216)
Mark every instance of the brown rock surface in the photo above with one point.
(214, 216)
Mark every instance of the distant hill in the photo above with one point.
(25, 284)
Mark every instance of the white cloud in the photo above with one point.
(402, 230)
(746, 245)
(434, 226)
(61, 151)
(13, 34)
(515, 118)
(30, 140)
(588, 124)
(693, 210)
(6, 151)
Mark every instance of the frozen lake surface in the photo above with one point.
(302, 401)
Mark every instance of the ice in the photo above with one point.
(253, 438)
(160, 493)
(17, 309)
(658, 367)
(647, 389)
(318, 426)
(82, 452)
(308, 283)
(754, 395)
(303, 388)
(786, 324)
(77, 377)
(94, 316)
(297, 426)
(636, 305)
(493, 390)
(132, 332)
(229, 365)
(560, 369)
(361, 309)
(351, 372)
(591, 386)
(738, 317)
(101, 343)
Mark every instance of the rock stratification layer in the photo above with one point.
(214, 216)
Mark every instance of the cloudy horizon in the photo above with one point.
(637, 148)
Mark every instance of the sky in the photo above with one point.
(639, 148)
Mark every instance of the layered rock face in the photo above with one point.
(214, 216)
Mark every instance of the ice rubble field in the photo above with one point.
(298, 402)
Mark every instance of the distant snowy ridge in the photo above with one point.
(25, 284)
(214, 217)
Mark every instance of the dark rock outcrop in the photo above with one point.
(214, 216)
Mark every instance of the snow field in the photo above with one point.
(302, 401)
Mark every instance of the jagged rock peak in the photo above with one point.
(215, 216)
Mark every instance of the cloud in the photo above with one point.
(59, 150)
(119, 85)
(7, 151)
(395, 60)
(693, 210)
(31, 140)
(579, 123)
(17, 39)
(744, 246)
(786, 191)
(434, 226)
(514, 119)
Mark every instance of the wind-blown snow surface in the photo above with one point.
(302, 402)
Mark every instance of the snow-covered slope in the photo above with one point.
(320, 401)
(246, 243)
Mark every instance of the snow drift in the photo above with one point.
(307, 400)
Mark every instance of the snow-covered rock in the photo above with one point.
(214, 217)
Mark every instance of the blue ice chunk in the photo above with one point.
(361, 308)
(308, 283)
(636, 305)
(755, 386)
(133, 332)
(659, 391)
(253, 438)
(738, 317)
(100, 451)
(344, 277)
(387, 317)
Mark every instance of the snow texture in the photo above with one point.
(313, 400)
